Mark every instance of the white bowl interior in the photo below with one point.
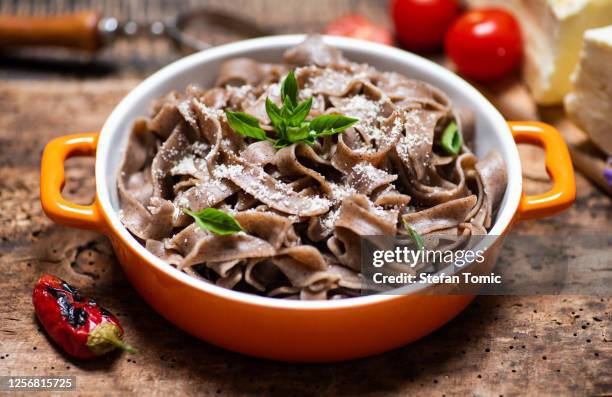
(201, 68)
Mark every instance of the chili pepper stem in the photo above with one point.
(106, 337)
(121, 345)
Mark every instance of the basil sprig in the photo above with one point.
(450, 141)
(289, 120)
(415, 236)
(215, 221)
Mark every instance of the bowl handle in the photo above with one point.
(52, 181)
(558, 164)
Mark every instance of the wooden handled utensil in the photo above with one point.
(80, 30)
(90, 31)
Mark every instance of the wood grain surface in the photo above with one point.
(500, 345)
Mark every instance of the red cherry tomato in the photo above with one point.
(420, 25)
(485, 44)
(359, 27)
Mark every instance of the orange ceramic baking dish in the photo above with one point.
(314, 331)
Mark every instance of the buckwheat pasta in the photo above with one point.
(302, 205)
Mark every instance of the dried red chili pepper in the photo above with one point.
(76, 322)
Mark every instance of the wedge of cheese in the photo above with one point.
(552, 33)
(590, 104)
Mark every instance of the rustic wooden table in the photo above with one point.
(544, 345)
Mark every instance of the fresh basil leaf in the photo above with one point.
(246, 125)
(289, 89)
(287, 109)
(296, 134)
(311, 139)
(415, 236)
(330, 124)
(215, 221)
(300, 112)
(281, 143)
(451, 141)
(274, 113)
(244, 118)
